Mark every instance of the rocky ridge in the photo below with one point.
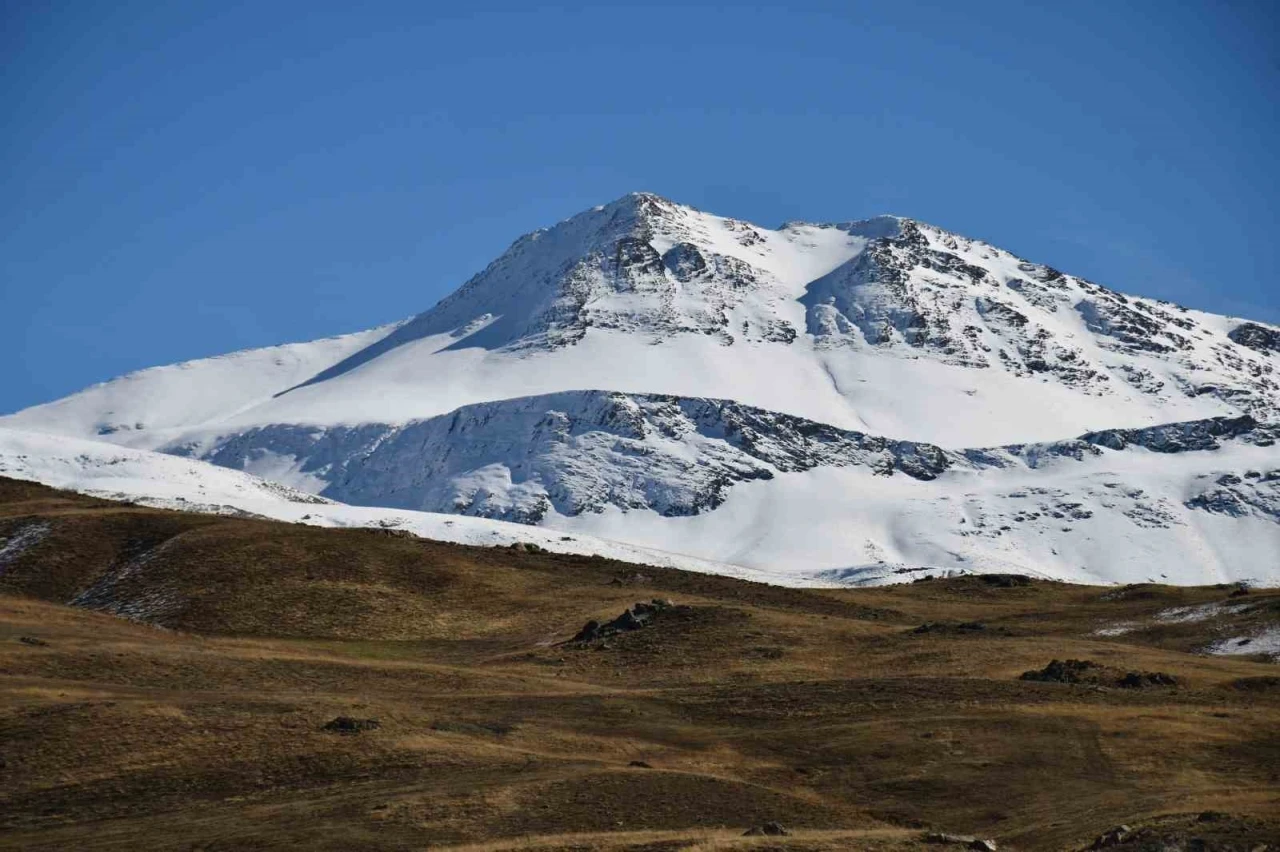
(589, 451)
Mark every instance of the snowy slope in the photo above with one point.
(742, 485)
(680, 380)
(130, 410)
(154, 479)
(1135, 515)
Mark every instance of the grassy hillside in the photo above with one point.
(182, 701)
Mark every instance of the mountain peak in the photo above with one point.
(883, 226)
(639, 199)
(806, 364)
(653, 271)
(877, 227)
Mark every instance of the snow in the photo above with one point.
(1266, 642)
(134, 408)
(1116, 629)
(25, 538)
(849, 525)
(1203, 612)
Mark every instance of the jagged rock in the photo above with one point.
(1256, 336)
(639, 616)
(1177, 437)
(639, 764)
(32, 640)
(587, 451)
(581, 451)
(1257, 495)
(1130, 329)
(685, 261)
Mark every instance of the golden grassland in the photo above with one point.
(198, 721)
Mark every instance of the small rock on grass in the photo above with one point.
(638, 616)
(1142, 680)
(1064, 671)
(976, 843)
(769, 829)
(1114, 837)
(349, 725)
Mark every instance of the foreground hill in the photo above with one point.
(858, 719)
(657, 375)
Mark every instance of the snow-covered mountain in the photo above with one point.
(843, 400)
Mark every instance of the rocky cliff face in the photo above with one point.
(592, 451)
(922, 292)
(571, 453)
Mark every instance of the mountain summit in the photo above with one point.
(650, 372)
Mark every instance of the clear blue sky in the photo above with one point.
(185, 179)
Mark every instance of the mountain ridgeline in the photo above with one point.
(863, 401)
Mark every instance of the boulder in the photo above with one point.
(527, 547)
(589, 632)
(641, 615)
(1064, 671)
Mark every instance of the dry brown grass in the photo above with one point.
(822, 710)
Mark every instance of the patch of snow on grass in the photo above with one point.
(1202, 612)
(1267, 642)
(23, 540)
